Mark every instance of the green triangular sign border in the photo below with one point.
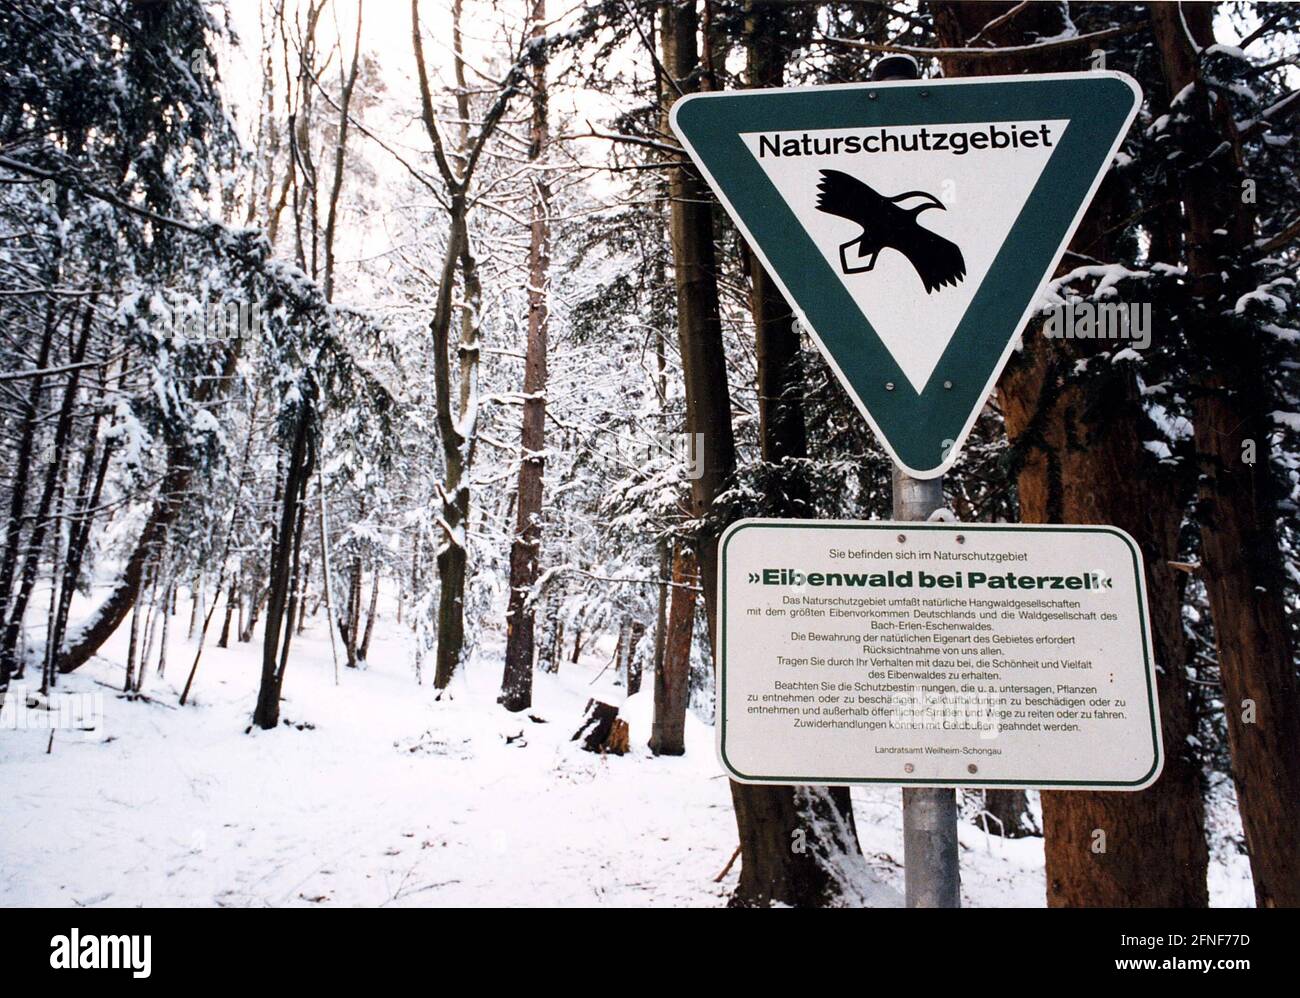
(923, 433)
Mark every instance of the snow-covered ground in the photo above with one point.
(385, 796)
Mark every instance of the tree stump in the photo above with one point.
(602, 730)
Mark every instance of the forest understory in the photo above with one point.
(366, 795)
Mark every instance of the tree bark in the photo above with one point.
(350, 626)
(231, 597)
(452, 557)
(196, 604)
(769, 819)
(363, 652)
(699, 325)
(661, 609)
(1238, 500)
(1151, 848)
(776, 343)
(672, 691)
(266, 715)
(150, 623)
(301, 590)
(1005, 813)
(166, 622)
(632, 666)
(577, 639)
(517, 680)
(132, 646)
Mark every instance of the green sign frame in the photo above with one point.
(922, 432)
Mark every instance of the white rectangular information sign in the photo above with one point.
(935, 654)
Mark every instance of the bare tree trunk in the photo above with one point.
(577, 640)
(776, 343)
(620, 645)
(326, 577)
(350, 626)
(453, 559)
(149, 628)
(301, 622)
(301, 459)
(633, 666)
(166, 622)
(661, 609)
(517, 681)
(364, 651)
(672, 678)
(549, 644)
(708, 399)
(254, 614)
(295, 577)
(232, 597)
(1004, 813)
(131, 649)
(48, 672)
(196, 604)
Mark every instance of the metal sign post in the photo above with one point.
(931, 872)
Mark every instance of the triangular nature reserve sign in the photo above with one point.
(912, 224)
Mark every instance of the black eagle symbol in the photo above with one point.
(886, 224)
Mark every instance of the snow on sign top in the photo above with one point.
(912, 224)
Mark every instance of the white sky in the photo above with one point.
(386, 36)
